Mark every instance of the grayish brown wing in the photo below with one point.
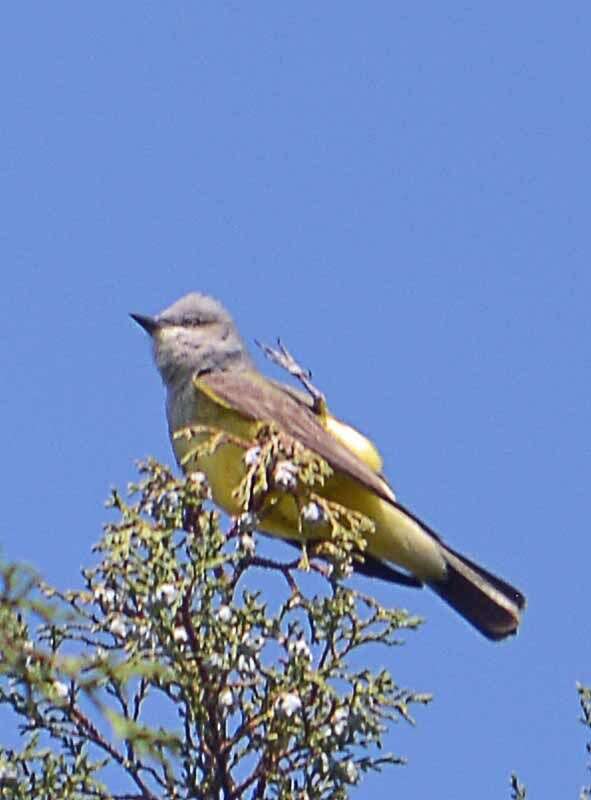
(257, 398)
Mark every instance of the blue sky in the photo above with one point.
(402, 193)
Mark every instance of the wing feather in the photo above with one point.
(255, 397)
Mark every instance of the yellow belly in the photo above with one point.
(396, 538)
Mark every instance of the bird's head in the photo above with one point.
(193, 336)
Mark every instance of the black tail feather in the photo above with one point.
(489, 603)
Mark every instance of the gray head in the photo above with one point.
(192, 336)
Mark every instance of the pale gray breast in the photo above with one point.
(181, 400)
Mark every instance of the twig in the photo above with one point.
(284, 359)
(93, 733)
(217, 749)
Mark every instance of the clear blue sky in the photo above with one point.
(402, 193)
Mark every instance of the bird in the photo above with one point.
(212, 381)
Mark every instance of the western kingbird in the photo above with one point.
(212, 382)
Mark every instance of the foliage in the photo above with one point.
(518, 791)
(171, 668)
(585, 703)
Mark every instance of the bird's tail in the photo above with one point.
(489, 603)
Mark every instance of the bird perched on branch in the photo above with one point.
(212, 383)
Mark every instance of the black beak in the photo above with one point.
(149, 324)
